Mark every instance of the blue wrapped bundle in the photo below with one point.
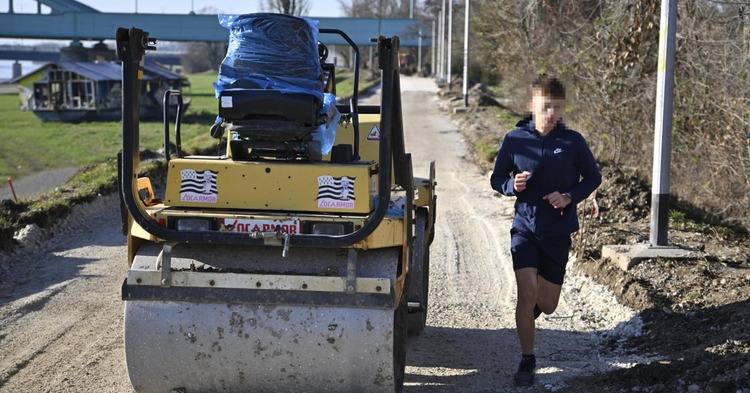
(271, 51)
(326, 133)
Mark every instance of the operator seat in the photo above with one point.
(270, 88)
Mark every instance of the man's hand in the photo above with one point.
(519, 182)
(557, 200)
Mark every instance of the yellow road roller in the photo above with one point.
(295, 259)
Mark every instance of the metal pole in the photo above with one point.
(411, 9)
(466, 53)
(433, 41)
(373, 69)
(12, 189)
(380, 16)
(663, 125)
(450, 44)
(440, 47)
(442, 42)
(419, 51)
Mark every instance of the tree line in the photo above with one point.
(607, 51)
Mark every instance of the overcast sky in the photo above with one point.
(323, 8)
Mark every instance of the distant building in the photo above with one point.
(92, 91)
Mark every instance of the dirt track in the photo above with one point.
(61, 313)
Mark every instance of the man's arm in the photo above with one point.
(589, 170)
(501, 179)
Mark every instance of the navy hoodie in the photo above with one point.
(560, 161)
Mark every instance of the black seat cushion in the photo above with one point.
(262, 104)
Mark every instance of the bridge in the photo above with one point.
(70, 20)
(163, 57)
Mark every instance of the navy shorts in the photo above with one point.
(548, 254)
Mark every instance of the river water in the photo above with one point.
(6, 68)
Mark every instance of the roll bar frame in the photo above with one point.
(132, 45)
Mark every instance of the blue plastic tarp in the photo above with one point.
(271, 51)
(326, 133)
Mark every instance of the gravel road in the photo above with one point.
(61, 313)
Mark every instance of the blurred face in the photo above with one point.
(546, 111)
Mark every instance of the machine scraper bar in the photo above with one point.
(253, 296)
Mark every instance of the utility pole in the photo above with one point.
(439, 59)
(450, 43)
(419, 51)
(433, 41)
(466, 53)
(663, 125)
(627, 256)
(442, 43)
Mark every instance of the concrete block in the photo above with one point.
(628, 256)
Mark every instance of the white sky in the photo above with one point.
(322, 8)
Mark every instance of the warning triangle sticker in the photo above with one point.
(374, 134)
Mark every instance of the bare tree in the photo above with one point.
(289, 7)
(204, 56)
(608, 51)
(375, 8)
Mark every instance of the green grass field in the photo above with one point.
(28, 145)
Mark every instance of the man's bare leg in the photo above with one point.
(526, 281)
(548, 295)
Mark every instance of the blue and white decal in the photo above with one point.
(336, 192)
(198, 186)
